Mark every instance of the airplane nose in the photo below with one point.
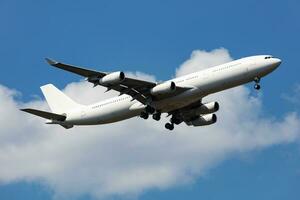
(276, 62)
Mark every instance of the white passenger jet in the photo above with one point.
(181, 98)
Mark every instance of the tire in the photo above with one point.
(150, 110)
(256, 86)
(144, 115)
(156, 116)
(169, 126)
(175, 121)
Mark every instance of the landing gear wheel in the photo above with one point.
(169, 126)
(257, 80)
(156, 116)
(150, 110)
(175, 121)
(144, 115)
(257, 86)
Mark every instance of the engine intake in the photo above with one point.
(204, 120)
(164, 88)
(112, 78)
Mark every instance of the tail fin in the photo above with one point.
(57, 100)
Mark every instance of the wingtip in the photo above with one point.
(50, 61)
(25, 109)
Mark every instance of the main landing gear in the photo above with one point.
(257, 85)
(156, 116)
(144, 115)
(149, 111)
(169, 126)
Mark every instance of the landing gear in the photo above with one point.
(169, 126)
(257, 85)
(156, 116)
(175, 120)
(144, 115)
(150, 109)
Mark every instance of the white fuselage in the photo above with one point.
(203, 83)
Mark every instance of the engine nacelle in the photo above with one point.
(203, 120)
(208, 108)
(112, 78)
(163, 88)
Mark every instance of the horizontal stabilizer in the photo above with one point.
(51, 62)
(44, 114)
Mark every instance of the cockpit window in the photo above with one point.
(268, 57)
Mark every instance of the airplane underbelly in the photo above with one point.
(111, 113)
(178, 101)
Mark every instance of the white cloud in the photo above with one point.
(131, 156)
(293, 97)
(201, 59)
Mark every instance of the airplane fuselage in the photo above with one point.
(202, 83)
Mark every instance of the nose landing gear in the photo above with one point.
(257, 85)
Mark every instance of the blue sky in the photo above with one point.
(156, 37)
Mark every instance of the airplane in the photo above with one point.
(181, 98)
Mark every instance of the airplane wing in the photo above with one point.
(137, 89)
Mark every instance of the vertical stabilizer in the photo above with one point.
(57, 100)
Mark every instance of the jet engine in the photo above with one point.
(203, 120)
(112, 78)
(207, 108)
(164, 88)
